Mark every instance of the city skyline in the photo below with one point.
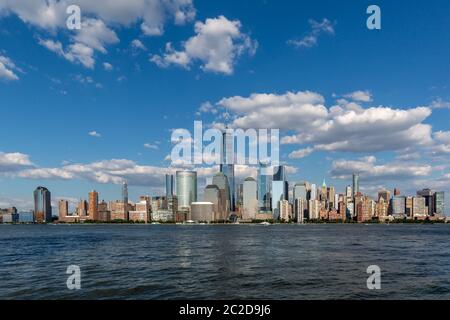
(248, 208)
(350, 99)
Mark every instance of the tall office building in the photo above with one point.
(278, 194)
(227, 166)
(355, 184)
(300, 210)
(42, 205)
(301, 190)
(186, 183)
(63, 206)
(169, 185)
(93, 206)
(221, 181)
(249, 199)
(429, 200)
(439, 203)
(264, 181)
(280, 189)
(213, 195)
(419, 208)
(125, 193)
(279, 173)
(398, 205)
(313, 194)
(385, 194)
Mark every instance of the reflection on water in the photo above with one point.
(225, 262)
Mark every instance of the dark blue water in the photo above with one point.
(225, 262)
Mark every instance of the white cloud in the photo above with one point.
(312, 36)
(95, 134)
(442, 136)
(207, 107)
(339, 128)
(359, 96)
(107, 66)
(217, 45)
(369, 170)
(98, 20)
(302, 153)
(151, 146)
(440, 104)
(77, 52)
(138, 45)
(14, 161)
(7, 68)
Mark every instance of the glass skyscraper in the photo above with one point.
(264, 181)
(279, 193)
(42, 205)
(227, 166)
(439, 202)
(186, 189)
(355, 184)
(301, 191)
(279, 173)
(169, 185)
(250, 201)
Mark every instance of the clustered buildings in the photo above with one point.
(269, 197)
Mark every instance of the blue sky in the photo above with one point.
(77, 121)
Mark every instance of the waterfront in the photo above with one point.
(225, 262)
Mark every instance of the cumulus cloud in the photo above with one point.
(302, 153)
(7, 69)
(151, 146)
(442, 136)
(368, 169)
(440, 104)
(11, 162)
(217, 44)
(339, 128)
(94, 134)
(97, 30)
(312, 36)
(137, 44)
(360, 96)
(107, 66)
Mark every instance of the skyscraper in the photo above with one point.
(93, 206)
(429, 200)
(221, 181)
(385, 194)
(264, 180)
(301, 190)
(169, 185)
(250, 201)
(355, 184)
(280, 188)
(186, 183)
(63, 206)
(125, 193)
(227, 166)
(313, 195)
(279, 173)
(213, 195)
(42, 205)
(439, 203)
(279, 193)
